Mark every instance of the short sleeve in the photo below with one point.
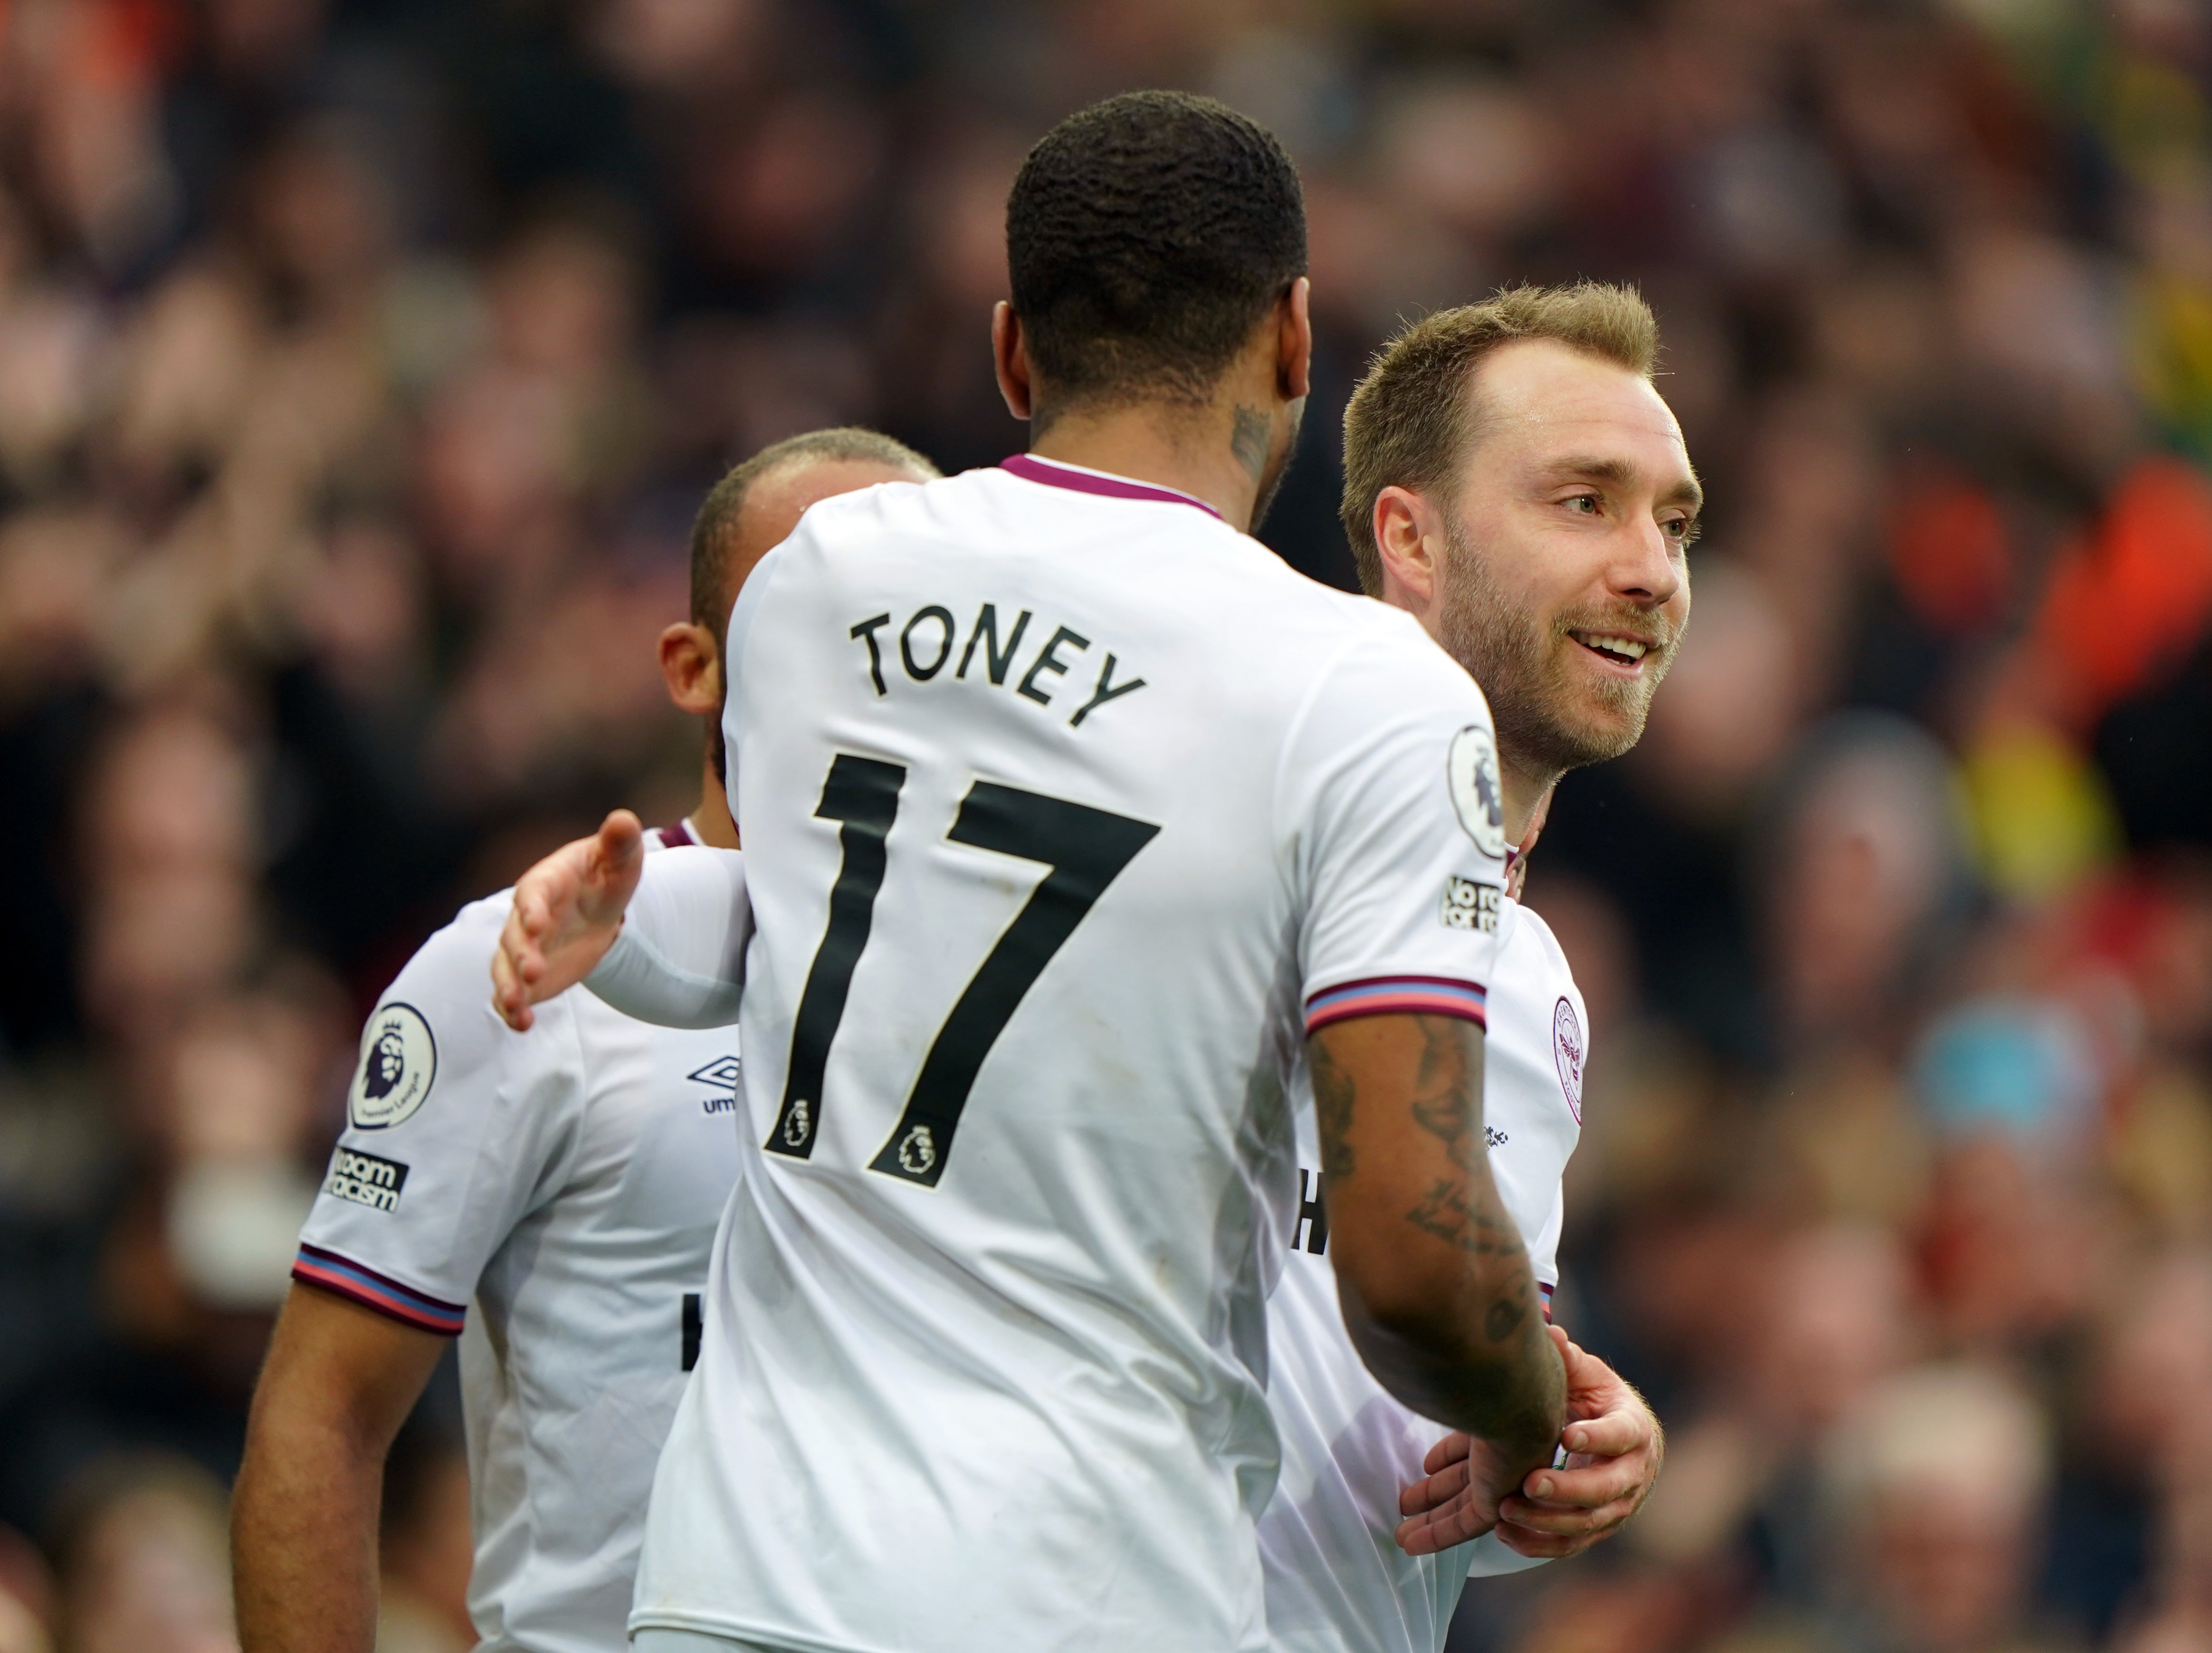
(457, 1126)
(1392, 780)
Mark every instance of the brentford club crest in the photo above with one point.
(1567, 1050)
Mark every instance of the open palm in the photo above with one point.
(568, 911)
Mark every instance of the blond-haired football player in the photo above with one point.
(1513, 480)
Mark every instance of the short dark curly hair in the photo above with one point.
(1145, 237)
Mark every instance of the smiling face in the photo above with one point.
(1564, 586)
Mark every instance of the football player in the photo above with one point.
(549, 1200)
(1081, 836)
(1513, 480)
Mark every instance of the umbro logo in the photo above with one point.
(722, 1074)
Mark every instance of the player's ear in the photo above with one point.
(1010, 356)
(1294, 341)
(691, 666)
(1407, 534)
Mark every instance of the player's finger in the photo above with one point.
(508, 996)
(1539, 1546)
(1565, 1523)
(527, 927)
(1610, 1434)
(1433, 1492)
(1421, 1539)
(1426, 1536)
(515, 964)
(528, 922)
(1583, 1489)
(1453, 1449)
(1445, 1528)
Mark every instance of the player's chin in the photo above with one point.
(1607, 724)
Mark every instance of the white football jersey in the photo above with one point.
(1067, 809)
(565, 1184)
(1337, 1582)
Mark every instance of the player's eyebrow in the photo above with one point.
(1621, 474)
(1689, 491)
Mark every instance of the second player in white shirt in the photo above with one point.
(1337, 1581)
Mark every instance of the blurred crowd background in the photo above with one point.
(362, 363)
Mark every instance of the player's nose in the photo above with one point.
(1645, 568)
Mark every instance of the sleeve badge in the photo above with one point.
(1471, 774)
(399, 1061)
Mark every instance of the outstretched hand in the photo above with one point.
(1615, 1446)
(568, 910)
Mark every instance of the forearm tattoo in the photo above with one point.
(1333, 1093)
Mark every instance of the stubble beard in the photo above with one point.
(1543, 716)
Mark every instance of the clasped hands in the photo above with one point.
(1614, 1447)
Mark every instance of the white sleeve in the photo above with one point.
(1394, 790)
(680, 959)
(457, 1127)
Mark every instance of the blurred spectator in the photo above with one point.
(423, 1546)
(1939, 1485)
(143, 1554)
(360, 368)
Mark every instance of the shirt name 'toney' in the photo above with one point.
(931, 638)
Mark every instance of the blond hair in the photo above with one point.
(1413, 414)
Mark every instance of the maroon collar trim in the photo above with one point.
(1057, 473)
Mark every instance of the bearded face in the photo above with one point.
(1558, 703)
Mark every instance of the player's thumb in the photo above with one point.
(617, 857)
(622, 842)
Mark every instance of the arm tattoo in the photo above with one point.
(1503, 1320)
(1462, 1210)
(1248, 440)
(1444, 1212)
(1333, 1106)
(1440, 1104)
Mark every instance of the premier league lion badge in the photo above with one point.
(399, 1060)
(1471, 771)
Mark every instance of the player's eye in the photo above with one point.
(1587, 504)
(1683, 531)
